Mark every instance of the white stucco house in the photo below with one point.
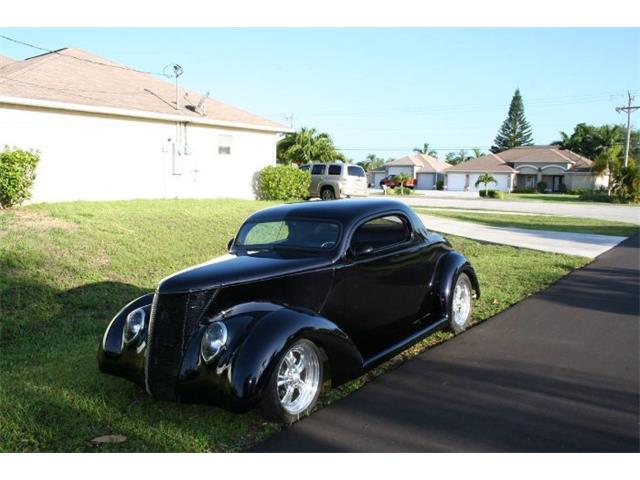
(106, 131)
(524, 167)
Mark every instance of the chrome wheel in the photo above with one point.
(298, 378)
(461, 302)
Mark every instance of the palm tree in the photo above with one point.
(402, 178)
(477, 152)
(307, 145)
(486, 179)
(425, 150)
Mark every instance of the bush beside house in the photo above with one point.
(17, 173)
(283, 182)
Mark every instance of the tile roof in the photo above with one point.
(74, 76)
(546, 154)
(5, 61)
(489, 163)
(426, 163)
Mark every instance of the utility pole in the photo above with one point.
(290, 118)
(629, 109)
(177, 71)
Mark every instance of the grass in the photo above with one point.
(547, 197)
(65, 269)
(538, 222)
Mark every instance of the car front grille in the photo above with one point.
(174, 318)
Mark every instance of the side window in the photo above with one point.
(304, 168)
(318, 169)
(335, 169)
(224, 144)
(355, 171)
(382, 232)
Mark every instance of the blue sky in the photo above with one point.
(385, 91)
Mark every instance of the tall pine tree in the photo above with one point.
(515, 130)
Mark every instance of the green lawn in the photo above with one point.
(547, 197)
(65, 269)
(538, 222)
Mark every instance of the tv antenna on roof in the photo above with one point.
(201, 108)
(177, 71)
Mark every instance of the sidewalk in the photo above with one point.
(582, 244)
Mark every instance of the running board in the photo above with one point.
(386, 354)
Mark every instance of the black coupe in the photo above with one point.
(310, 295)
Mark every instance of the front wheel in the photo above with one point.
(295, 383)
(461, 304)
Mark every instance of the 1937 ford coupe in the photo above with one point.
(310, 295)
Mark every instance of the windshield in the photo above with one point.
(289, 233)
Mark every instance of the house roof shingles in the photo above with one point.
(74, 76)
(489, 163)
(5, 61)
(426, 163)
(530, 154)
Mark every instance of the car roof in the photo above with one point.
(345, 211)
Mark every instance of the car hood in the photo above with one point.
(232, 268)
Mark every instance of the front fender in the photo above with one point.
(257, 336)
(449, 267)
(121, 360)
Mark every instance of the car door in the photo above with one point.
(317, 176)
(383, 282)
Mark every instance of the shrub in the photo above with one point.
(493, 194)
(17, 173)
(402, 191)
(541, 186)
(440, 185)
(524, 190)
(563, 188)
(595, 196)
(283, 182)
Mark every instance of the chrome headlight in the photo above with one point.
(134, 325)
(213, 340)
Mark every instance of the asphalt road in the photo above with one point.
(557, 372)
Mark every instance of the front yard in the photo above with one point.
(67, 268)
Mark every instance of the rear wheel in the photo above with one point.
(461, 304)
(327, 193)
(295, 383)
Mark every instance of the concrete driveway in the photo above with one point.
(582, 244)
(558, 372)
(620, 213)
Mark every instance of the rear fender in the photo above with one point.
(449, 267)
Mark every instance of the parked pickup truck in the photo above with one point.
(392, 181)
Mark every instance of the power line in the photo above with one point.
(86, 60)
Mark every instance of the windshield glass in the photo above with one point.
(289, 233)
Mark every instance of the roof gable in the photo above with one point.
(486, 163)
(426, 163)
(74, 76)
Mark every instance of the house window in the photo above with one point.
(224, 144)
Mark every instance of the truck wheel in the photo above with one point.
(295, 383)
(327, 193)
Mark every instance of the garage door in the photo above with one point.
(502, 179)
(456, 181)
(425, 181)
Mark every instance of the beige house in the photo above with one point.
(426, 169)
(107, 131)
(524, 167)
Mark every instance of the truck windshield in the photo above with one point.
(289, 233)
